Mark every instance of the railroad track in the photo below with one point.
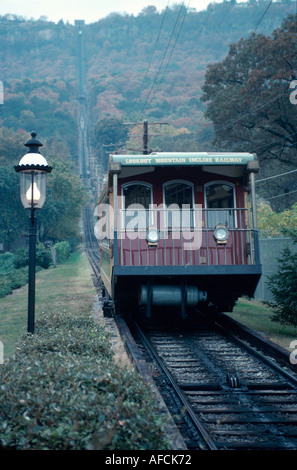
(231, 396)
(91, 242)
(222, 392)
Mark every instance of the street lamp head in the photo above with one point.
(33, 160)
(33, 143)
(33, 169)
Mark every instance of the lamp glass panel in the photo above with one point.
(33, 184)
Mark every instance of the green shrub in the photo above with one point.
(13, 280)
(73, 242)
(5, 287)
(63, 251)
(21, 258)
(18, 278)
(43, 257)
(10, 277)
(6, 262)
(14, 268)
(63, 391)
(283, 288)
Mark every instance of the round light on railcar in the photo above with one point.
(152, 236)
(221, 234)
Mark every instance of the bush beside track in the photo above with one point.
(63, 389)
(14, 266)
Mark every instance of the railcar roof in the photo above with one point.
(185, 158)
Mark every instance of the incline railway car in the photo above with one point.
(178, 230)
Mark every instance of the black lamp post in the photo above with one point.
(33, 169)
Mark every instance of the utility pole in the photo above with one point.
(145, 138)
(116, 146)
(145, 135)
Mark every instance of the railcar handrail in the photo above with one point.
(183, 218)
(188, 244)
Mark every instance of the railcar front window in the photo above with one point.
(138, 198)
(220, 205)
(178, 199)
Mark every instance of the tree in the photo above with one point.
(247, 97)
(283, 288)
(283, 283)
(66, 197)
(110, 130)
(272, 224)
(12, 220)
(11, 147)
(149, 10)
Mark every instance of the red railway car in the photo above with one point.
(178, 230)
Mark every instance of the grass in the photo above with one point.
(68, 285)
(257, 316)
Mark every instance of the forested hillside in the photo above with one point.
(150, 66)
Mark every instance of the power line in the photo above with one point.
(210, 11)
(276, 141)
(251, 34)
(177, 38)
(207, 47)
(220, 128)
(259, 22)
(273, 142)
(164, 55)
(251, 112)
(220, 23)
(282, 195)
(154, 49)
(276, 176)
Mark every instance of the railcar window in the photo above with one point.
(220, 201)
(137, 194)
(137, 197)
(179, 195)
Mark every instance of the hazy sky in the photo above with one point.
(89, 10)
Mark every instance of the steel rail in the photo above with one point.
(264, 359)
(210, 444)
